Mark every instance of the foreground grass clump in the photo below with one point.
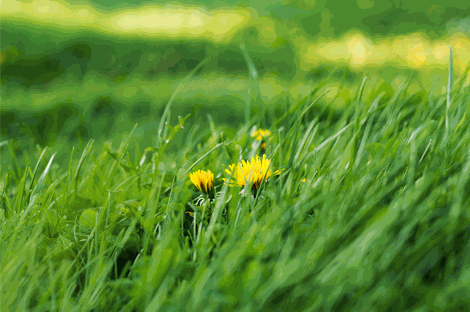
(368, 212)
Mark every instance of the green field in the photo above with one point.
(381, 221)
(103, 134)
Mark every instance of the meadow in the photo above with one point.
(368, 212)
(143, 174)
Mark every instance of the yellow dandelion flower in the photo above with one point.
(251, 173)
(303, 180)
(260, 134)
(203, 180)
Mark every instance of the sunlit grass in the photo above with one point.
(360, 200)
(366, 204)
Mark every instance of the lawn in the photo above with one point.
(267, 170)
(369, 211)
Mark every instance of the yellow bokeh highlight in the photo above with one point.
(405, 51)
(49, 7)
(11, 6)
(54, 13)
(266, 29)
(333, 92)
(441, 52)
(179, 21)
(360, 49)
(354, 49)
(153, 21)
(416, 54)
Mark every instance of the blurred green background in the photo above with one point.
(76, 70)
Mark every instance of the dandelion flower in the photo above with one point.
(203, 180)
(251, 173)
(261, 134)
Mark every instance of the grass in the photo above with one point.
(380, 223)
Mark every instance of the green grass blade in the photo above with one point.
(254, 81)
(85, 153)
(42, 179)
(449, 91)
(166, 112)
